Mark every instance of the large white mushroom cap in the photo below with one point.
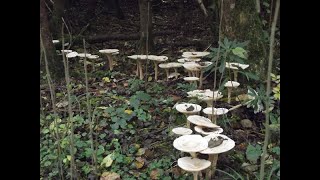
(185, 60)
(236, 65)
(157, 58)
(191, 78)
(82, 55)
(182, 131)
(194, 54)
(191, 164)
(109, 51)
(217, 111)
(201, 121)
(191, 66)
(184, 106)
(66, 51)
(200, 130)
(72, 55)
(204, 64)
(233, 84)
(226, 145)
(206, 94)
(190, 143)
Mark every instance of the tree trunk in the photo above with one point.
(241, 22)
(55, 66)
(57, 14)
(145, 26)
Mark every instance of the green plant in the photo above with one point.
(258, 99)
(253, 153)
(276, 89)
(186, 87)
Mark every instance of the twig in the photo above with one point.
(267, 130)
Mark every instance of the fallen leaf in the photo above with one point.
(128, 111)
(149, 78)
(107, 161)
(141, 151)
(139, 162)
(106, 79)
(110, 176)
(154, 174)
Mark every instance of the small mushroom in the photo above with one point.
(193, 165)
(55, 41)
(201, 121)
(174, 75)
(181, 131)
(71, 55)
(93, 57)
(139, 59)
(190, 143)
(167, 66)
(202, 67)
(206, 95)
(109, 53)
(207, 131)
(156, 60)
(217, 143)
(192, 68)
(217, 112)
(188, 109)
(191, 80)
(234, 67)
(229, 85)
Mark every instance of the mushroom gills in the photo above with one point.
(214, 142)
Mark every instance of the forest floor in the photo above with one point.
(142, 143)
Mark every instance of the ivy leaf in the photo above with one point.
(239, 51)
(253, 153)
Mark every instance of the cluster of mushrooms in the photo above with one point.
(207, 138)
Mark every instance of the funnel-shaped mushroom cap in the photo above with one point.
(236, 65)
(192, 66)
(234, 84)
(72, 55)
(204, 64)
(66, 51)
(172, 75)
(190, 143)
(185, 60)
(174, 64)
(201, 121)
(109, 51)
(55, 41)
(205, 95)
(191, 164)
(191, 78)
(226, 145)
(182, 131)
(157, 58)
(188, 108)
(194, 54)
(93, 57)
(217, 111)
(201, 130)
(140, 57)
(82, 55)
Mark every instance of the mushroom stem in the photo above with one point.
(189, 73)
(176, 71)
(110, 62)
(195, 175)
(235, 73)
(229, 95)
(214, 119)
(209, 103)
(201, 77)
(155, 70)
(137, 71)
(211, 170)
(193, 154)
(167, 73)
(140, 70)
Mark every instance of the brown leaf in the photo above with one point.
(110, 176)
(154, 174)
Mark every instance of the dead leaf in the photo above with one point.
(154, 174)
(110, 176)
(125, 84)
(141, 151)
(139, 162)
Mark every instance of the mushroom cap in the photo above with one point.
(170, 65)
(83, 55)
(191, 66)
(175, 64)
(140, 57)
(182, 131)
(184, 60)
(204, 64)
(182, 108)
(93, 56)
(190, 143)
(236, 65)
(201, 121)
(191, 78)
(233, 84)
(172, 75)
(224, 147)
(158, 58)
(191, 164)
(72, 55)
(55, 41)
(217, 111)
(66, 51)
(205, 95)
(194, 54)
(108, 51)
(200, 130)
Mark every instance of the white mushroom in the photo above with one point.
(185, 60)
(55, 41)
(190, 143)
(66, 51)
(188, 109)
(207, 131)
(202, 67)
(167, 66)
(201, 121)
(216, 112)
(92, 57)
(82, 55)
(191, 80)
(109, 53)
(156, 60)
(234, 67)
(71, 54)
(182, 131)
(229, 85)
(193, 165)
(217, 143)
(206, 95)
(139, 59)
(194, 54)
(192, 68)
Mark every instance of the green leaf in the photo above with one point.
(276, 150)
(108, 160)
(238, 51)
(253, 153)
